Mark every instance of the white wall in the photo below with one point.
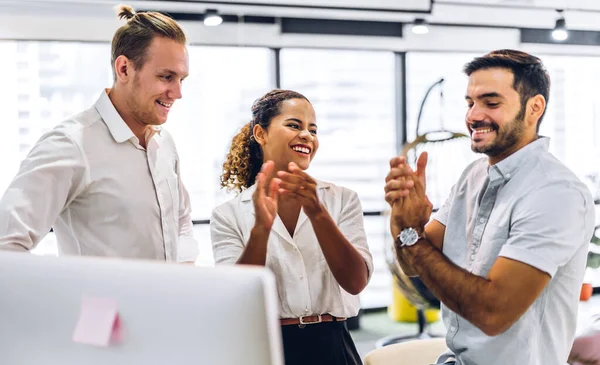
(95, 20)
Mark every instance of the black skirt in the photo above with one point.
(326, 343)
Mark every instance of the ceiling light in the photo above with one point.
(560, 32)
(212, 18)
(420, 26)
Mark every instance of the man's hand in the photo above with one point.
(405, 192)
(265, 197)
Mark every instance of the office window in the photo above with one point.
(443, 109)
(30, 112)
(572, 121)
(218, 94)
(22, 47)
(378, 293)
(353, 93)
(446, 111)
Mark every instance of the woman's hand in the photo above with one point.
(265, 197)
(299, 185)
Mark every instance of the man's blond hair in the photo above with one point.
(133, 39)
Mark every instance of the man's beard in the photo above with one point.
(137, 109)
(506, 136)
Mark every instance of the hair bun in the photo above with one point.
(125, 12)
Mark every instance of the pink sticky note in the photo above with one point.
(99, 322)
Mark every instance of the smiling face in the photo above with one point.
(157, 84)
(495, 119)
(291, 135)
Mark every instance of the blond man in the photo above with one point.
(107, 180)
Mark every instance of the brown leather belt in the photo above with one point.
(312, 319)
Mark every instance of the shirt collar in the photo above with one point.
(508, 167)
(115, 123)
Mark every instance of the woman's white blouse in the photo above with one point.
(305, 283)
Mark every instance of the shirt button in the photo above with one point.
(508, 176)
(481, 220)
(301, 276)
(452, 329)
(306, 310)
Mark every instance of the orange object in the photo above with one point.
(586, 291)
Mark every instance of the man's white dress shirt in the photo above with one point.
(103, 194)
(305, 283)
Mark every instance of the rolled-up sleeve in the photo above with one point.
(49, 179)
(226, 239)
(549, 225)
(351, 224)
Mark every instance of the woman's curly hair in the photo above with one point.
(245, 158)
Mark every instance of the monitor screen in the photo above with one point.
(168, 313)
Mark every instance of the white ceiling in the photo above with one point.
(417, 5)
(552, 4)
(579, 14)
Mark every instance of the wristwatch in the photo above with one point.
(409, 236)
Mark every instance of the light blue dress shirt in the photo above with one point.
(530, 208)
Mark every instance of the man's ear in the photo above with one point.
(123, 68)
(260, 134)
(535, 108)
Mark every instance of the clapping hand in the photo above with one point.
(265, 197)
(405, 192)
(297, 184)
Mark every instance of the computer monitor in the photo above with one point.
(169, 313)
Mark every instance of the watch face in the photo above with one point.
(409, 237)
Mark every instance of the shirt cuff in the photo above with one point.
(526, 256)
(368, 259)
(440, 217)
(187, 249)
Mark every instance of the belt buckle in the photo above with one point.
(302, 322)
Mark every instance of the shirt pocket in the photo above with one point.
(495, 236)
(173, 183)
(493, 232)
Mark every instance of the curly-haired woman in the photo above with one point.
(309, 233)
